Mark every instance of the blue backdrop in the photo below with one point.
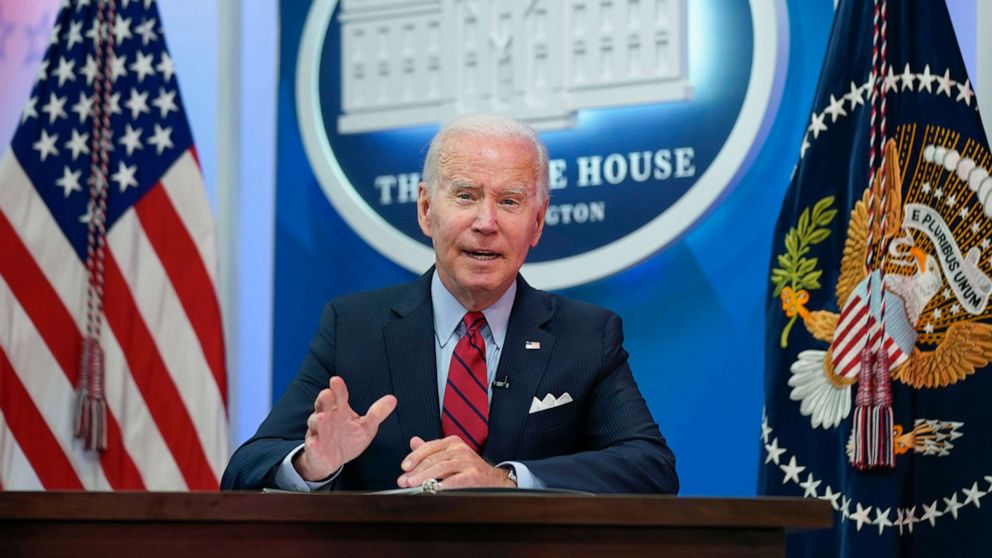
(693, 313)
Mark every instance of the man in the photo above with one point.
(452, 370)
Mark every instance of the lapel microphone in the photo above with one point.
(502, 384)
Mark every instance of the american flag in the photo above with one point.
(108, 86)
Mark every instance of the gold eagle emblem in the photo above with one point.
(935, 287)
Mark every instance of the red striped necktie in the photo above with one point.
(466, 396)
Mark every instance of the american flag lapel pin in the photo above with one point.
(532, 345)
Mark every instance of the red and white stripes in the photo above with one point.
(164, 359)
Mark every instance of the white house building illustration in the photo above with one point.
(415, 62)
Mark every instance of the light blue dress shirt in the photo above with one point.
(448, 329)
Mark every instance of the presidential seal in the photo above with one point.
(925, 304)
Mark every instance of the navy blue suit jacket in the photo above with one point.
(380, 342)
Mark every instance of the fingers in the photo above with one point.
(456, 469)
(340, 391)
(483, 476)
(416, 442)
(324, 400)
(426, 449)
(380, 410)
(441, 459)
(336, 434)
(326, 406)
(460, 480)
(444, 466)
(333, 402)
(333, 397)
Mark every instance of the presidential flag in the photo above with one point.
(112, 370)
(879, 325)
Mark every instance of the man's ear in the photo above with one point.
(424, 209)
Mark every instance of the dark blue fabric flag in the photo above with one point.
(879, 297)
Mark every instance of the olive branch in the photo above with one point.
(795, 270)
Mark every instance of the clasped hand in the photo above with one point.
(336, 434)
(451, 461)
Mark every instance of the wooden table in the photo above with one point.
(469, 525)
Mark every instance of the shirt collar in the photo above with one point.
(448, 312)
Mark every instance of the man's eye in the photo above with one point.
(510, 202)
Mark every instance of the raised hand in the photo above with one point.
(336, 434)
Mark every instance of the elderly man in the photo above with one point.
(467, 375)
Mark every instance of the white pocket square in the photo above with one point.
(549, 402)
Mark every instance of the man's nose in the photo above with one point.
(485, 217)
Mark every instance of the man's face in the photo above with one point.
(483, 217)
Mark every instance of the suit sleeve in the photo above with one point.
(624, 451)
(253, 466)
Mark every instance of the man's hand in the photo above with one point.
(452, 461)
(335, 433)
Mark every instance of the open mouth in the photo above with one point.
(483, 255)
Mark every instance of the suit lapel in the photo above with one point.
(412, 362)
(524, 367)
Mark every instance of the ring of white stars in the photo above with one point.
(906, 518)
(858, 95)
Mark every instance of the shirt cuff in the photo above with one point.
(288, 478)
(525, 479)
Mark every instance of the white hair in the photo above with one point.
(487, 126)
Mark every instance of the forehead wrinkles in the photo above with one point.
(450, 161)
(454, 162)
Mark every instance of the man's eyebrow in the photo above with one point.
(516, 190)
(461, 183)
